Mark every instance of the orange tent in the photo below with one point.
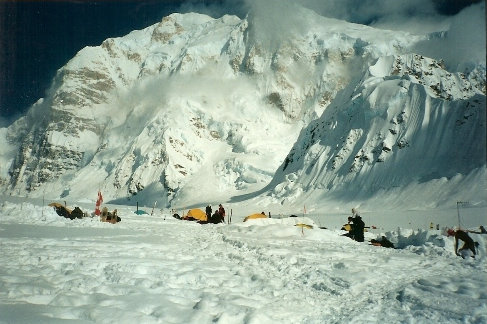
(254, 216)
(196, 214)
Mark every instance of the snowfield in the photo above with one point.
(157, 269)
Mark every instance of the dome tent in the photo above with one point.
(195, 214)
(254, 216)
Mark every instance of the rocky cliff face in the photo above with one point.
(195, 102)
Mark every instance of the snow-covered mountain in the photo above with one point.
(195, 110)
(407, 123)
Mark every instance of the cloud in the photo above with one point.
(275, 21)
(463, 43)
(214, 84)
(368, 11)
(216, 9)
(413, 15)
(272, 22)
(357, 11)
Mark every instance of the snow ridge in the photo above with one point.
(406, 121)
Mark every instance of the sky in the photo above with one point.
(39, 37)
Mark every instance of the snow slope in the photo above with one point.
(407, 124)
(156, 269)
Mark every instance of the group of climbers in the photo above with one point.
(217, 217)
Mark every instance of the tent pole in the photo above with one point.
(458, 214)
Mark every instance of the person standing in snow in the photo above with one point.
(221, 211)
(358, 228)
(468, 243)
(208, 213)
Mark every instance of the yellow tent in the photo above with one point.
(196, 214)
(254, 216)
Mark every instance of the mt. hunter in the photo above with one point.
(196, 110)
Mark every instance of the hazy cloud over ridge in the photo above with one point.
(357, 11)
(464, 42)
(462, 21)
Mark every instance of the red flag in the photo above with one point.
(98, 204)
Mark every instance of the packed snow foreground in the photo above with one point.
(158, 269)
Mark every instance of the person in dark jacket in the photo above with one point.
(76, 213)
(384, 242)
(468, 243)
(216, 217)
(358, 228)
(221, 210)
(208, 213)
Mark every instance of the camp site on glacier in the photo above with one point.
(299, 120)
